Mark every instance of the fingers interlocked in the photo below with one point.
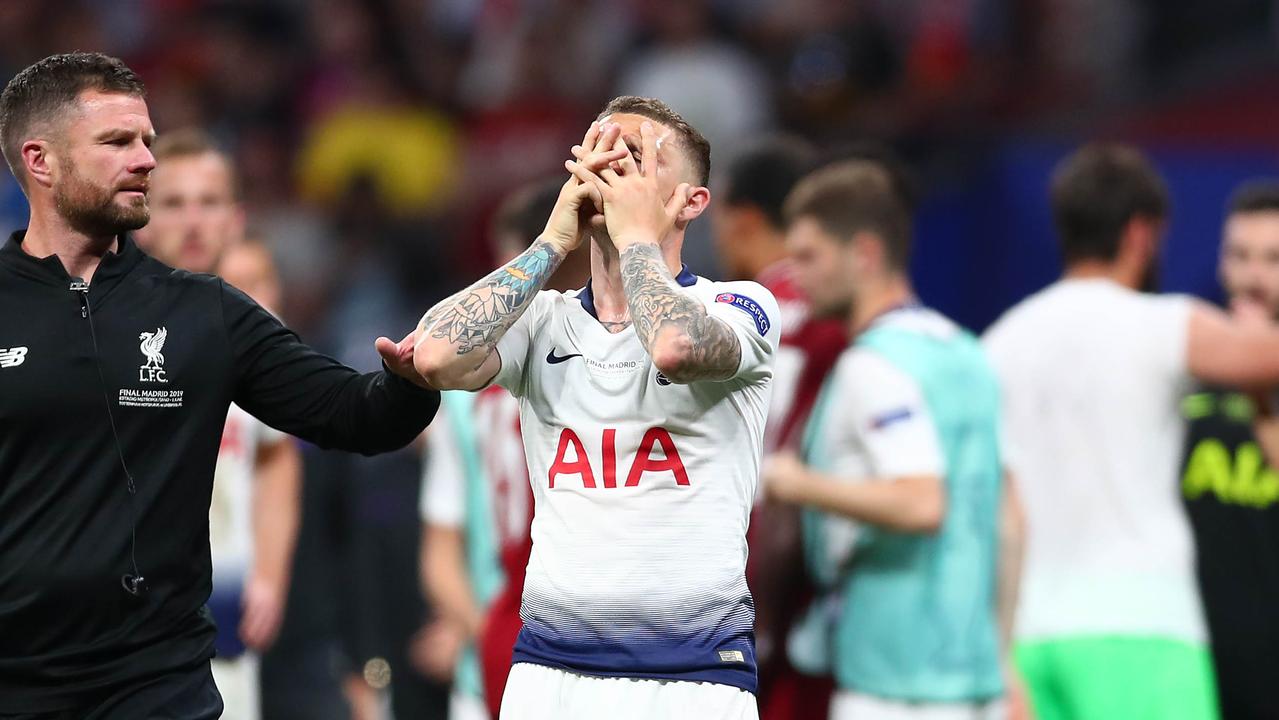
(601, 147)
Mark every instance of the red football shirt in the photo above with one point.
(809, 350)
(810, 347)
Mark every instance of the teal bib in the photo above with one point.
(917, 616)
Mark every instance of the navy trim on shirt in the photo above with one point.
(685, 278)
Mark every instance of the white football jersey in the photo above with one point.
(642, 491)
(231, 506)
(1093, 375)
(495, 416)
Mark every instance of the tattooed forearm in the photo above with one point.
(663, 312)
(475, 318)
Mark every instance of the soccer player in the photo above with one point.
(250, 266)
(477, 505)
(1093, 372)
(750, 238)
(196, 221)
(751, 241)
(643, 399)
(1229, 478)
(902, 462)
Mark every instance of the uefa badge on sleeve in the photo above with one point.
(748, 306)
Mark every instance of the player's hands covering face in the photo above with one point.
(635, 209)
(579, 205)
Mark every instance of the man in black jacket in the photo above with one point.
(116, 372)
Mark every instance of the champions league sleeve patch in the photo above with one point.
(748, 306)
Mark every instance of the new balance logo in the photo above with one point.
(554, 359)
(12, 357)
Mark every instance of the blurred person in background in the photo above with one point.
(196, 213)
(477, 504)
(716, 84)
(250, 266)
(690, 61)
(1110, 623)
(1229, 477)
(301, 236)
(197, 225)
(901, 468)
(750, 239)
(516, 95)
(513, 55)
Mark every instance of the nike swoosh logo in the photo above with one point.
(554, 359)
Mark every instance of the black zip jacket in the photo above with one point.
(167, 351)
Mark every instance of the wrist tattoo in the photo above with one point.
(476, 317)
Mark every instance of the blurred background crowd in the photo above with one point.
(374, 135)
(375, 138)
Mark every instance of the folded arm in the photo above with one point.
(910, 504)
(685, 342)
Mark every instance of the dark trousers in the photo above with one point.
(185, 695)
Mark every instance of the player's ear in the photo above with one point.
(239, 221)
(1139, 243)
(1221, 266)
(699, 199)
(39, 162)
(867, 251)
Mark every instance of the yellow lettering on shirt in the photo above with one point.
(1242, 480)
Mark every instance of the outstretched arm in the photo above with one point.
(293, 388)
(1237, 349)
